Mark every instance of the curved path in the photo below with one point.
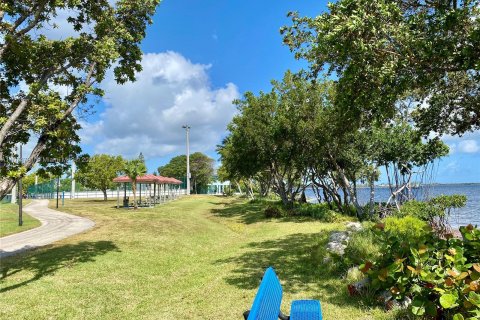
(55, 226)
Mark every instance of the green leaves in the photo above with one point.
(99, 172)
(273, 134)
(474, 298)
(107, 34)
(418, 306)
(201, 169)
(381, 50)
(437, 274)
(458, 316)
(448, 301)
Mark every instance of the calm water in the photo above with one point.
(463, 216)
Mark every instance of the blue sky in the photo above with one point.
(199, 55)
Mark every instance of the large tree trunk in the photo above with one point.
(6, 184)
(353, 197)
(346, 185)
(104, 195)
(281, 190)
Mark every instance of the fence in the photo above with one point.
(48, 190)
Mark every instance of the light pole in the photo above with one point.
(20, 193)
(187, 129)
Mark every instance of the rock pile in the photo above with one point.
(338, 240)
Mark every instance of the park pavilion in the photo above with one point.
(157, 189)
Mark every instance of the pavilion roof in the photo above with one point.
(148, 178)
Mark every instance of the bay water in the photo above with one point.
(470, 214)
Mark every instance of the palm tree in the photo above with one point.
(133, 169)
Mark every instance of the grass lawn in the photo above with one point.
(9, 219)
(200, 257)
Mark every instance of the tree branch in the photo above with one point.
(22, 107)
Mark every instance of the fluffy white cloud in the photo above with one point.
(147, 115)
(468, 143)
(468, 146)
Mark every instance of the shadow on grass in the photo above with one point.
(296, 264)
(247, 212)
(48, 261)
(250, 212)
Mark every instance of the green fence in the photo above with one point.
(45, 190)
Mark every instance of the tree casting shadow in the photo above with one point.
(296, 265)
(247, 212)
(48, 261)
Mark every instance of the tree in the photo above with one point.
(100, 171)
(270, 136)
(36, 70)
(295, 137)
(380, 50)
(201, 169)
(133, 169)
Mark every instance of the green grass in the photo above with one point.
(200, 257)
(9, 219)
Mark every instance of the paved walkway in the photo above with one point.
(55, 226)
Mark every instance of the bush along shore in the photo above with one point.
(411, 261)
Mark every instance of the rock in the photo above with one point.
(390, 303)
(398, 304)
(385, 297)
(337, 242)
(358, 287)
(339, 236)
(354, 226)
(336, 248)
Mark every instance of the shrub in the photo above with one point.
(413, 208)
(409, 228)
(363, 245)
(350, 210)
(320, 211)
(272, 212)
(441, 276)
(436, 208)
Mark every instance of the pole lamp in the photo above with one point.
(187, 129)
(20, 192)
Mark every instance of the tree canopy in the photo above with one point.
(294, 137)
(100, 171)
(269, 138)
(43, 80)
(382, 50)
(201, 169)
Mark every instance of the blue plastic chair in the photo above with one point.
(267, 302)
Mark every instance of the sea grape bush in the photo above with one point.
(440, 276)
(439, 207)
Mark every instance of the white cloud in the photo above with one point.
(90, 131)
(147, 115)
(468, 143)
(468, 146)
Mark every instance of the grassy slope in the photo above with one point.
(9, 219)
(196, 258)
